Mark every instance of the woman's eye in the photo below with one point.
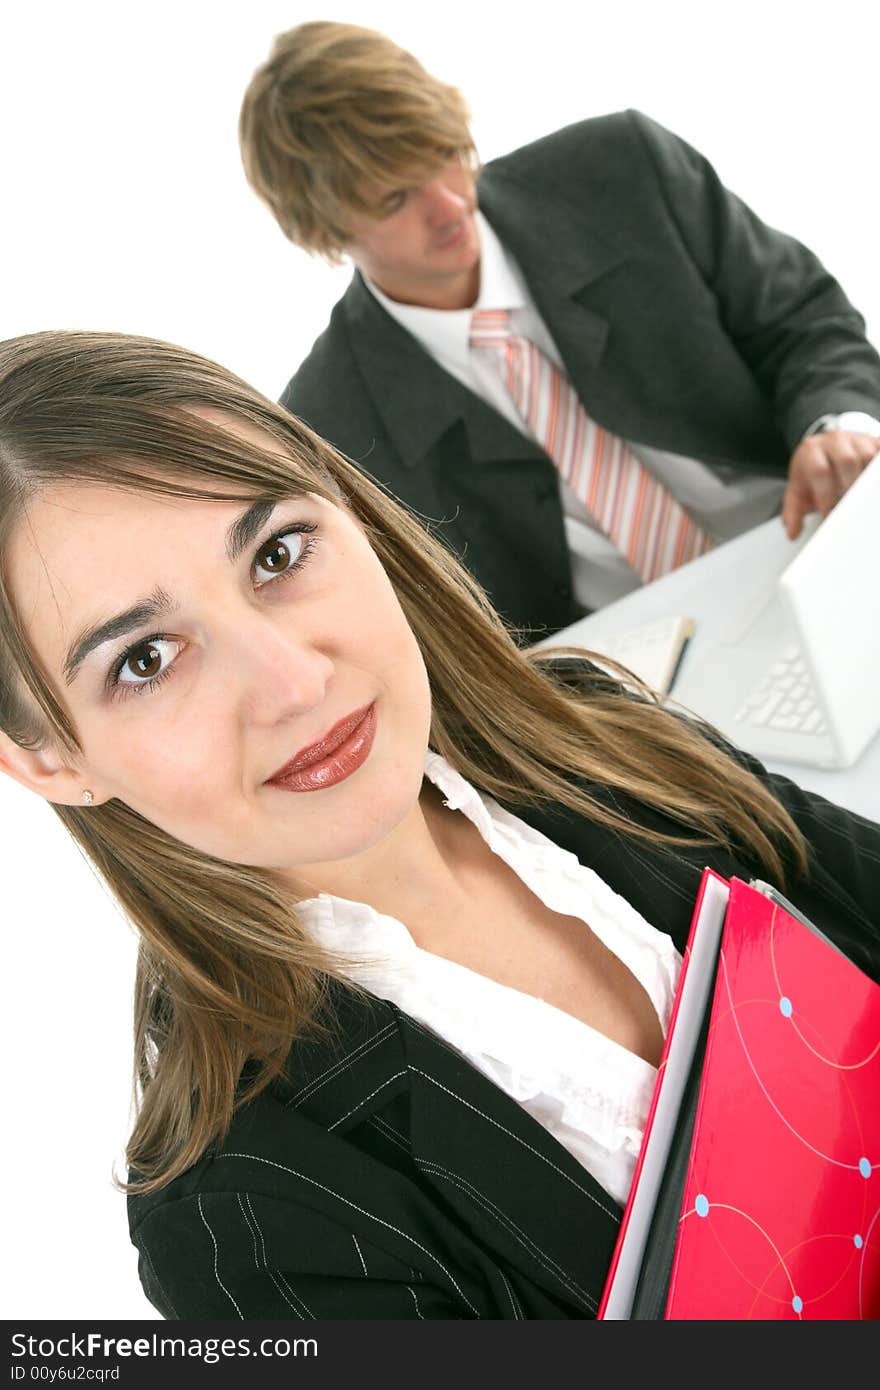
(147, 664)
(147, 661)
(281, 554)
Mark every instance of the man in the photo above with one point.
(583, 366)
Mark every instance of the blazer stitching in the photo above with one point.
(388, 1132)
(258, 1228)
(216, 1252)
(271, 1272)
(517, 1310)
(360, 1256)
(809, 813)
(523, 1142)
(434, 1037)
(293, 1294)
(442, 1042)
(660, 876)
(271, 1163)
(251, 1229)
(387, 1082)
(653, 868)
(361, 1050)
(419, 1312)
(518, 1234)
(292, 1306)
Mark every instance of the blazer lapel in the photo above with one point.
(338, 1077)
(517, 1189)
(561, 284)
(659, 881)
(418, 401)
(501, 1177)
(433, 400)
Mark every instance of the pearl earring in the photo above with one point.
(88, 797)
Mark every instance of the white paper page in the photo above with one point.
(698, 983)
(651, 651)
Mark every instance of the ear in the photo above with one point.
(45, 772)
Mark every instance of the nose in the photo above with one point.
(278, 673)
(442, 203)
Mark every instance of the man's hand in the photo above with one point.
(821, 469)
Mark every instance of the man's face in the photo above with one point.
(424, 248)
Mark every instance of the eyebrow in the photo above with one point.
(159, 603)
(242, 531)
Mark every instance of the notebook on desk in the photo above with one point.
(653, 651)
(796, 675)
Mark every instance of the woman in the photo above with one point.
(411, 903)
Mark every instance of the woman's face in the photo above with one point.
(193, 678)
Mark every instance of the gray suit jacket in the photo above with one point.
(684, 323)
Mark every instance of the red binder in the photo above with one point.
(757, 1190)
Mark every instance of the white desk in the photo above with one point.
(709, 590)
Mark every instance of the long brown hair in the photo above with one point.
(227, 977)
(337, 115)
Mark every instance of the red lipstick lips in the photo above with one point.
(333, 758)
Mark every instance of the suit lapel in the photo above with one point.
(503, 1178)
(433, 401)
(470, 474)
(492, 1174)
(338, 1077)
(418, 401)
(500, 1175)
(659, 880)
(561, 284)
(517, 1189)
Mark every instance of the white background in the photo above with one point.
(124, 207)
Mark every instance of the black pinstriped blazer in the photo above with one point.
(387, 1178)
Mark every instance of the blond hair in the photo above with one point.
(227, 977)
(334, 118)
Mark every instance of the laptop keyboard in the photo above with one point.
(784, 699)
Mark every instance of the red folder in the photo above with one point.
(757, 1190)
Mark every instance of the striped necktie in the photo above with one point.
(630, 506)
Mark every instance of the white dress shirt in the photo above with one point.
(591, 1093)
(722, 499)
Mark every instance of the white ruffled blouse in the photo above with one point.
(591, 1093)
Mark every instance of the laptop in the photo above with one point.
(796, 675)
